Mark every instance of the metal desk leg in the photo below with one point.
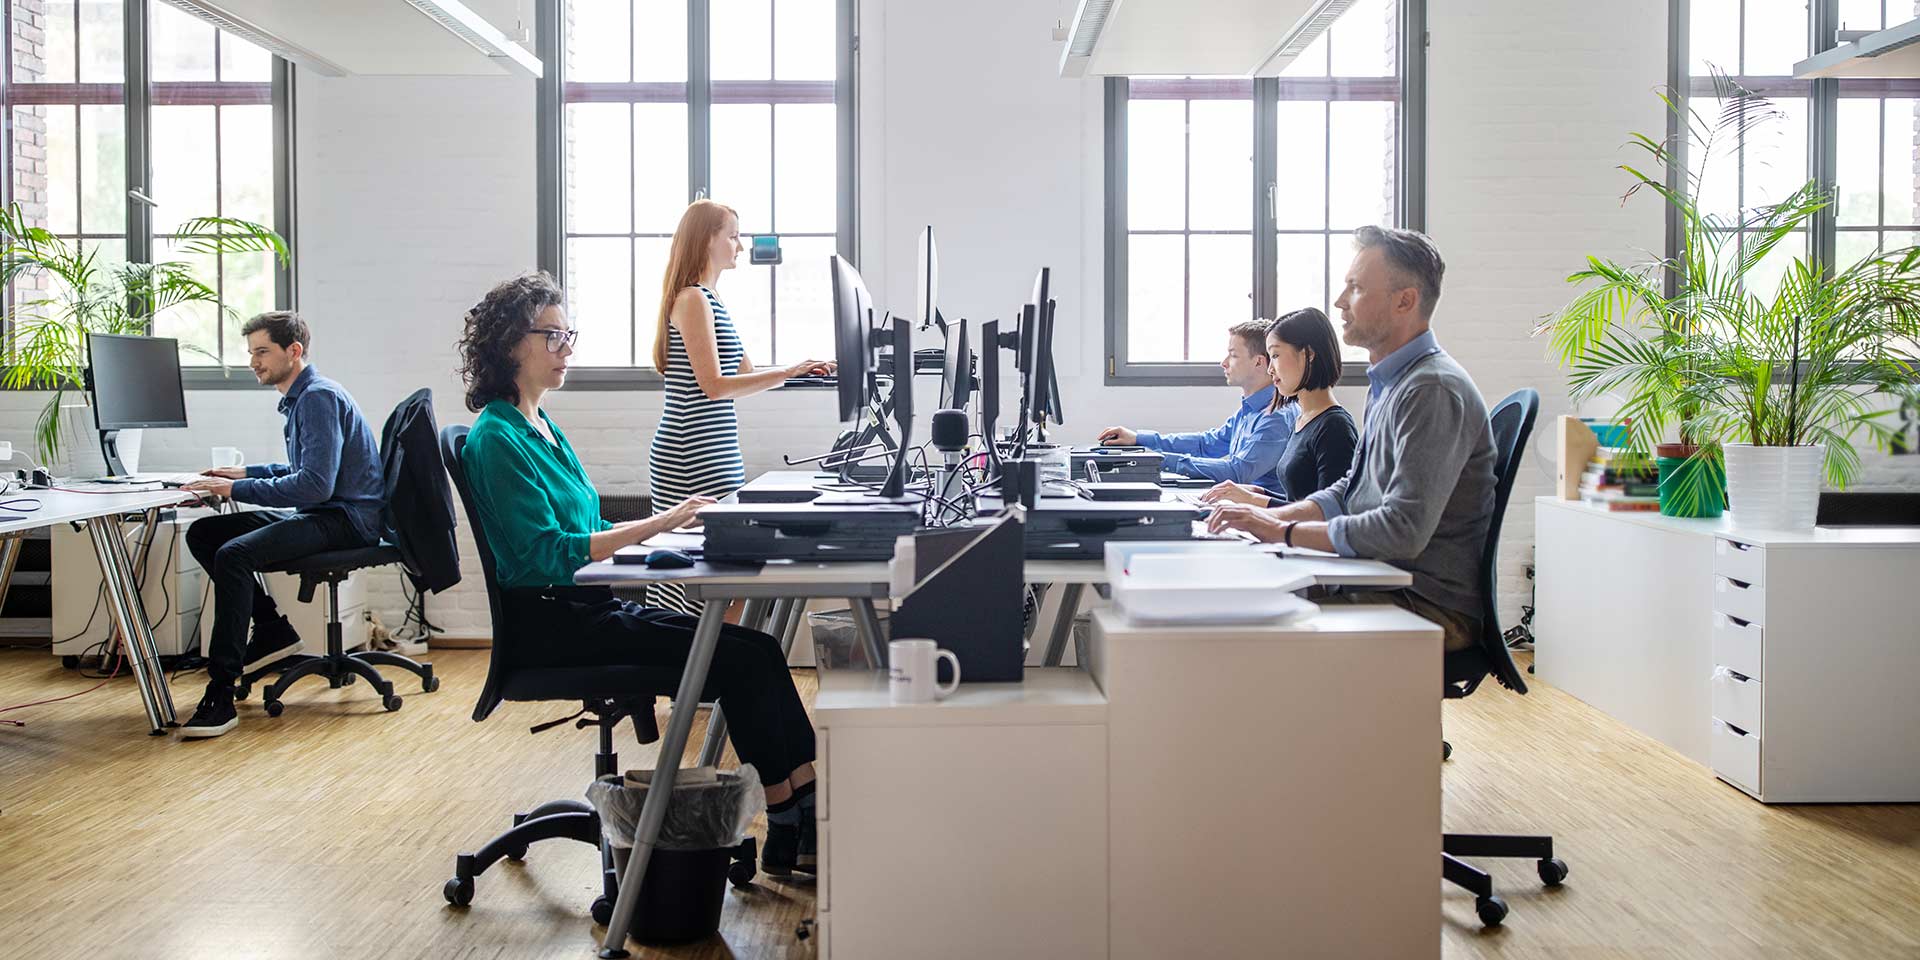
(867, 621)
(686, 702)
(755, 616)
(789, 626)
(123, 605)
(1063, 623)
(10, 547)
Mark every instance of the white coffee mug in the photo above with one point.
(912, 668)
(228, 457)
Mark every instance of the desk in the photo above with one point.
(101, 513)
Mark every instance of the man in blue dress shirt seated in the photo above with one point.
(329, 492)
(1245, 449)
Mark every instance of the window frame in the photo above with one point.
(700, 94)
(137, 94)
(1409, 200)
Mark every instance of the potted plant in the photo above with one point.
(47, 325)
(1778, 385)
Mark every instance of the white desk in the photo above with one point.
(1786, 662)
(101, 513)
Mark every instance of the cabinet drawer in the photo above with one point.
(1747, 602)
(823, 871)
(1736, 757)
(820, 785)
(1736, 700)
(1738, 646)
(1739, 561)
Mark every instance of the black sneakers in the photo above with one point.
(215, 715)
(782, 851)
(272, 640)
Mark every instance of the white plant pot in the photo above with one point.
(1774, 488)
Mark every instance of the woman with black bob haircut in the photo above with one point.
(542, 520)
(1305, 355)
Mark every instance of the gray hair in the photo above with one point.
(1412, 255)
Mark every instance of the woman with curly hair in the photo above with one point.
(542, 520)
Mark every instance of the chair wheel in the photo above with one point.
(1492, 910)
(740, 873)
(391, 702)
(517, 854)
(602, 910)
(1552, 871)
(429, 684)
(347, 680)
(242, 691)
(274, 707)
(69, 662)
(458, 891)
(1446, 750)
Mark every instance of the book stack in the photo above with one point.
(1619, 481)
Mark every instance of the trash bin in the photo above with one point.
(703, 843)
(836, 640)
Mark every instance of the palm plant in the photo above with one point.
(1715, 360)
(46, 329)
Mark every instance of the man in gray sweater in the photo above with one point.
(1420, 492)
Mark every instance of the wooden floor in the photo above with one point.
(329, 830)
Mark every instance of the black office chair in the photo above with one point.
(1512, 423)
(607, 694)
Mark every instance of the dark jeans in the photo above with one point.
(232, 547)
(587, 626)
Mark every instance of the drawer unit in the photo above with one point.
(1738, 646)
(1739, 561)
(1736, 756)
(1746, 601)
(1736, 700)
(823, 877)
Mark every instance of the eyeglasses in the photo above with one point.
(557, 338)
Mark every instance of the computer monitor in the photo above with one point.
(956, 368)
(1051, 381)
(852, 338)
(135, 383)
(926, 281)
(989, 382)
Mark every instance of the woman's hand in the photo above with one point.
(1226, 491)
(682, 513)
(1254, 520)
(811, 368)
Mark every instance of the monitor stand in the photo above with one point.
(110, 448)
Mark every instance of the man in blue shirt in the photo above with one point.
(1245, 449)
(328, 494)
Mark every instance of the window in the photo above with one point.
(1877, 149)
(662, 101)
(214, 129)
(1231, 198)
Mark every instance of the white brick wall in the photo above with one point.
(417, 194)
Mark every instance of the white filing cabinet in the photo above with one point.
(968, 828)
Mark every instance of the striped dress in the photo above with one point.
(696, 449)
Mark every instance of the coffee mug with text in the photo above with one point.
(912, 669)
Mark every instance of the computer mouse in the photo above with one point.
(665, 559)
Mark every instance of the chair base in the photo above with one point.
(336, 665)
(1491, 908)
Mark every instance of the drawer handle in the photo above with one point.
(1738, 584)
(1736, 730)
(1736, 621)
(1737, 545)
(1728, 673)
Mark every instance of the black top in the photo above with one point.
(1319, 453)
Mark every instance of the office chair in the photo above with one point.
(607, 694)
(1512, 423)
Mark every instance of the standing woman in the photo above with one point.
(1304, 355)
(696, 450)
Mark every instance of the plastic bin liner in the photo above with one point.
(709, 809)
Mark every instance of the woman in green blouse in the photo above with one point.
(542, 519)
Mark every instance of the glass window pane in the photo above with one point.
(1312, 62)
(102, 40)
(1851, 246)
(659, 39)
(1899, 239)
(1713, 33)
(1857, 148)
(1775, 162)
(600, 297)
(1776, 37)
(649, 275)
(743, 162)
(1219, 293)
(1715, 175)
(1861, 14)
(1220, 145)
(103, 170)
(1300, 183)
(241, 61)
(1156, 164)
(181, 45)
(804, 184)
(742, 38)
(195, 324)
(599, 179)
(1903, 162)
(183, 166)
(747, 293)
(246, 163)
(803, 300)
(1763, 279)
(660, 169)
(803, 47)
(1360, 174)
(246, 288)
(600, 39)
(1340, 254)
(55, 179)
(1302, 273)
(55, 65)
(1156, 299)
(1363, 39)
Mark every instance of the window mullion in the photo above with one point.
(138, 120)
(699, 99)
(286, 293)
(1266, 163)
(1822, 139)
